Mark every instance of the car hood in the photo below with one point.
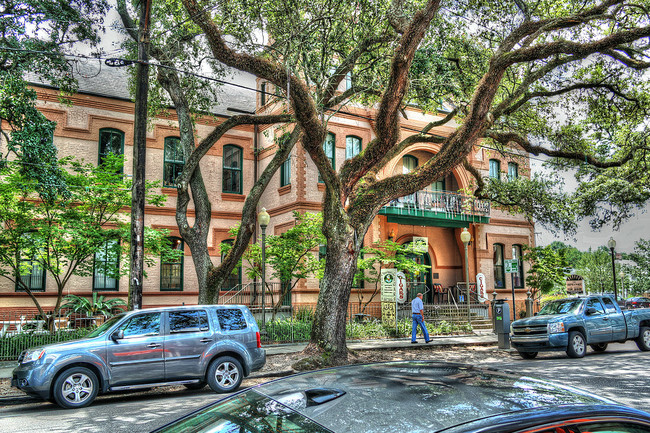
(539, 320)
(72, 345)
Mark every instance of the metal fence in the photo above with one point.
(21, 330)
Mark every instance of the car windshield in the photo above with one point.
(105, 326)
(245, 412)
(563, 306)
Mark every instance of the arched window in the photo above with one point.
(352, 146)
(329, 147)
(232, 169)
(513, 171)
(234, 279)
(107, 266)
(174, 161)
(409, 163)
(518, 277)
(495, 169)
(171, 272)
(499, 274)
(110, 141)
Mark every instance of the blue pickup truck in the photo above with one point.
(573, 323)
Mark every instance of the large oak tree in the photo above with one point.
(562, 79)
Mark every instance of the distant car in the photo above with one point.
(637, 302)
(195, 346)
(411, 396)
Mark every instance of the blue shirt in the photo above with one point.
(416, 305)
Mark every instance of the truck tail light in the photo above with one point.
(259, 340)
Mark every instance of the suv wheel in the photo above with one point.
(225, 374)
(577, 345)
(76, 387)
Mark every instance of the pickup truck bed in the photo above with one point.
(573, 323)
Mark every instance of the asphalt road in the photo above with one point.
(621, 373)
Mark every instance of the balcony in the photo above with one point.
(437, 209)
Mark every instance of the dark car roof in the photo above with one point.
(407, 396)
(422, 396)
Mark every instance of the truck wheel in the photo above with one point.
(643, 340)
(600, 347)
(577, 345)
(76, 387)
(528, 355)
(225, 374)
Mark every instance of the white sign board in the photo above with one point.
(401, 288)
(420, 244)
(481, 288)
(511, 266)
(388, 284)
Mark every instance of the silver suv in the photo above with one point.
(216, 345)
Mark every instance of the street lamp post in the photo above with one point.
(611, 243)
(263, 218)
(465, 237)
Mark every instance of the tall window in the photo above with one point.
(518, 278)
(174, 161)
(495, 169)
(409, 163)
(232, 169)
(171, 273)
(352, 146)
(106, 266)
(234, 279)
(32, 275)
(263, 94)
(513, 171)
(499, 275)
(110, 141)
(348, 81)
(285, 172)
(329, 147)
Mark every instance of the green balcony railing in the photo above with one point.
(437, 208)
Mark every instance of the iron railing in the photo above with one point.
(451, 204)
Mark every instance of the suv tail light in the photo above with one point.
(259, 340)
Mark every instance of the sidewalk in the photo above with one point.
(6, 367)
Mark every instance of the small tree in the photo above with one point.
(548, 271)
(59, 236)
(290, 256)
(386, 254)
(596, 268)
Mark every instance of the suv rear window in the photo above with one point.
(188, 321)
(231, 319)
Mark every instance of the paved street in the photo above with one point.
(620, 373)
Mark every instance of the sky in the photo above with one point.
(634, 229)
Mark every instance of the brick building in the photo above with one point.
(101, 115)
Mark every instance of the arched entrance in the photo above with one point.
(420, 283)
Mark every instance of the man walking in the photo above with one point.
(417, 308)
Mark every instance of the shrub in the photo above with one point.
(12, 345)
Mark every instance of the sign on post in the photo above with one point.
(511, 266)
(575, 285)
(401, 289)
(481, 288)
(388, 284)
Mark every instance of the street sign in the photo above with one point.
(511, 266)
